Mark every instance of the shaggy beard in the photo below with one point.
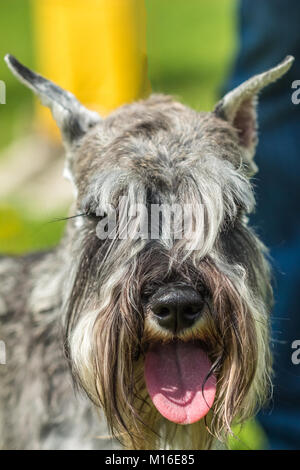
(107, 348)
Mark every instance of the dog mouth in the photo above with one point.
(179, 381)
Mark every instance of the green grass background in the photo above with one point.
(191, 45)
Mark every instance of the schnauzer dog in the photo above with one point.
(158, 331)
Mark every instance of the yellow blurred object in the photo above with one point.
(10, 224)
(94, 48)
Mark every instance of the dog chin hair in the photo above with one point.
(234, 329)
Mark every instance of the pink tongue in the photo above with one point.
(175, 374)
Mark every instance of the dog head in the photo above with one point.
(167, 310)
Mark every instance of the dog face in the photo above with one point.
(167, 307)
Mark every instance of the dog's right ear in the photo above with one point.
(71, 116)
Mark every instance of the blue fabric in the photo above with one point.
(268, 31)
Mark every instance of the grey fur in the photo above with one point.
(38, 407)
(71, 116)
(155, 150)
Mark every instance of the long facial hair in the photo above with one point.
(108, 331)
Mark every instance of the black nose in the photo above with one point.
(177, 308)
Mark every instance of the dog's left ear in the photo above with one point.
(239, 107)
(71, 116)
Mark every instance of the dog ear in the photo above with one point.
(239, 107)
(71, 116)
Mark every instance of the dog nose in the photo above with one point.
(177, 309)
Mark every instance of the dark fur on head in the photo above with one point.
(158, 151)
